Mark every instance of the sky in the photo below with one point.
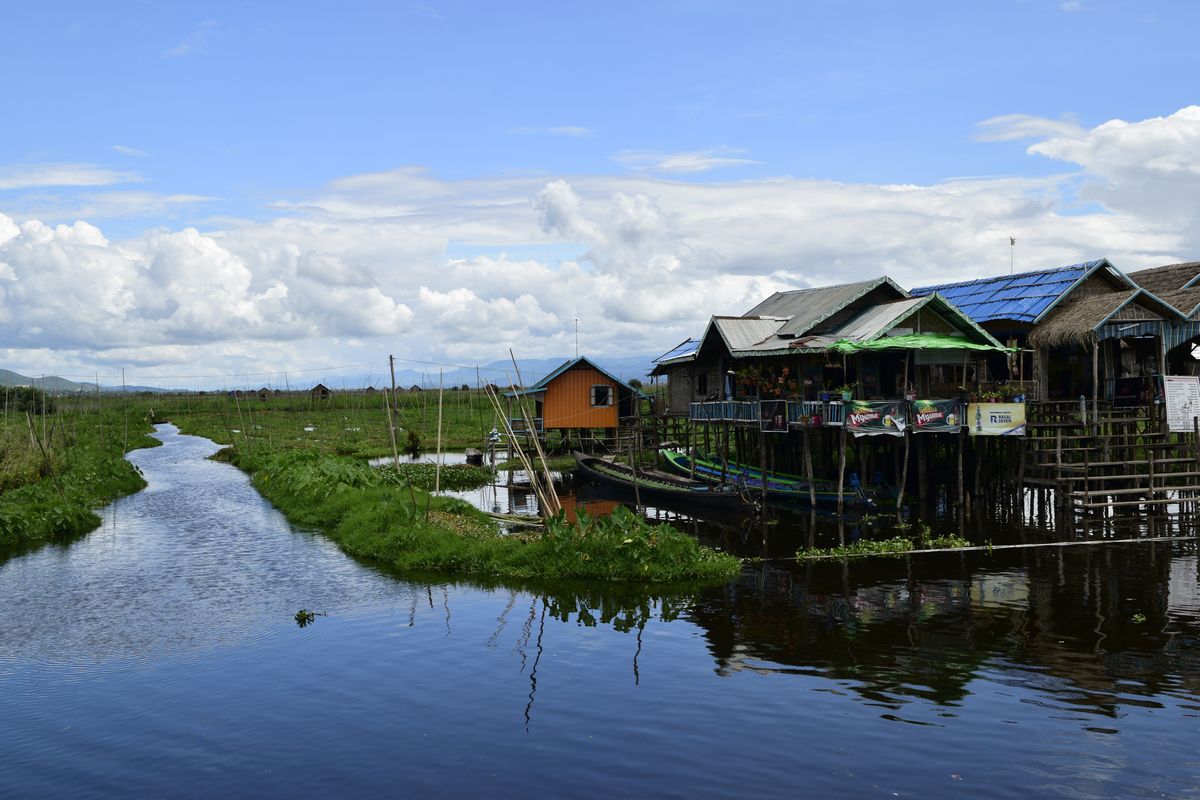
(211, 194)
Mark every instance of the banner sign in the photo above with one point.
(936, 416)
(875, 419)
(996, 419)
(772, 416)
(1182, 395)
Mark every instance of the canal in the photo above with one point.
(162, 655)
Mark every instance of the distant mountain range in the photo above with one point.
(497, 372)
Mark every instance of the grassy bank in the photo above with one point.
(376, 514)
(57, 467)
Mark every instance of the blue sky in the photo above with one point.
(260, 125)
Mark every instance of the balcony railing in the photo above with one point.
(829, 413)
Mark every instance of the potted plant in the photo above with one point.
(847, 391)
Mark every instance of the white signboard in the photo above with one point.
(1183, 402)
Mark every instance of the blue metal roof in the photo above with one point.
(1024, 297)
(685, 348)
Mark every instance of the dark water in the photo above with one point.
(160, 656)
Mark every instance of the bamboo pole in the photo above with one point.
(904, 477)
(389, 400)
(808, 468)
(437, 465)
(537, 442)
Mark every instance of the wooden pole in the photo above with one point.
(437, 467)
(841, 500)
(391, 421)
(904, 477)
(808, 469)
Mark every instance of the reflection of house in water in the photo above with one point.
(1078, 621)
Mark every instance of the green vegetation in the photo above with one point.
(455, 477)
(57, 467)
(350, 423)
(374, 514)
(896, 546)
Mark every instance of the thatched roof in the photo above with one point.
(1169, 278)
(1076, 322)
(1186, 300)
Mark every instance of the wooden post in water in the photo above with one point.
(808, 470)
(841, 499)
(762, 467)
(962, 435)
(904, 477)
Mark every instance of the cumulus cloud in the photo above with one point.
(359, 268)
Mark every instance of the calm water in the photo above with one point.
(160, 656)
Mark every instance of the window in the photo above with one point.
(702, 384)
(602, 395)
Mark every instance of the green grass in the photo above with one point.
(55, 472)
(376, 515)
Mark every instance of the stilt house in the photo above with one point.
(578, 395)
(1061, 319)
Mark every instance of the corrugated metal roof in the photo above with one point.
(742, 333)
(1024, 297)
(806, 308)
(878, 320)
(581, 360)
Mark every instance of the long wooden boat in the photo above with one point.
(660, 487)
(780, 487)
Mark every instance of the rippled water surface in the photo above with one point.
(160, 655)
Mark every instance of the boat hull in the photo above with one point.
(779, 488)
(662, 489)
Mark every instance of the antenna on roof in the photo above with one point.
(1012, 245)
(577, 337)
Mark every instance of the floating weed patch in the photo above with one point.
(896, 546)
(455, 477)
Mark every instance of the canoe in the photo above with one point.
(659, 487)
(780, 487)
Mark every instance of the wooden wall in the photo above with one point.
(568, 401)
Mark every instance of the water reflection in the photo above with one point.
(1092, 629)
(165, 650)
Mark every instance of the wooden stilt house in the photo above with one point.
(1011, 307)
(579, 395)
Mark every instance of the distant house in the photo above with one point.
(415, 388)
(264, 393)
(320, 392)
(369, 390)
(579, 395)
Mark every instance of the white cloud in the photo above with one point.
(27, 176)
(358, 268)
(130, 151)
(198, 40)
(684, 162)
(1015, 127)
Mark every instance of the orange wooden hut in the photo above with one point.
(579, 395)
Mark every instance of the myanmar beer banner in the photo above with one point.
(936, 416)
(996, 419)
(875, 419)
